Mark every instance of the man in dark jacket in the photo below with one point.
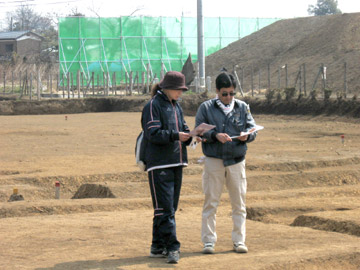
(225, 148)
(166, 136)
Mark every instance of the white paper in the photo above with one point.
(201, 129)
(256, 128)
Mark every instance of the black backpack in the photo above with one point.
(140, 147)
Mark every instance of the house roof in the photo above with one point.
(16, 34)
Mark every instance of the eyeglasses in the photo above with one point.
(225, 94)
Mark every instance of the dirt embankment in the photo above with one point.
(330, 40)
(190, 103)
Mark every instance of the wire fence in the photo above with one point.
(38, 83)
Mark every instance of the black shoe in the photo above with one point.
(158, 252)
(173, 256)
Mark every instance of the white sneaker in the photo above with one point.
(209, 248)
(240, 248)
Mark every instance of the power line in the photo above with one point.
(16, 2)
(19, 1)
(10, 6)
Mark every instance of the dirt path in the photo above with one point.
(303, 196)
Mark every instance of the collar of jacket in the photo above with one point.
(164, 96)
(217, 106)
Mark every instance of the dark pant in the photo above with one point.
(165, 185)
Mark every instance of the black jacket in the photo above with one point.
(162, 121)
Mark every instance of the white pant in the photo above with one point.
(214, 176)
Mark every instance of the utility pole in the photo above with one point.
(201, 54)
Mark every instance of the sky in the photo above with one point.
(171, 8)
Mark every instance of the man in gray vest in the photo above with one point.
(225, 148)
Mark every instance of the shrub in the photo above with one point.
(340, 95)
(191, 92)
(269, 95)
(313, 94)
(290, 93)
(327, 93)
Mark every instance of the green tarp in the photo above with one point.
(130, 44)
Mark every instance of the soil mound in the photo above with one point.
(325, 224)
(93, 191)
(16, 197)
(60, 106)
(332, 40)
(190, 104)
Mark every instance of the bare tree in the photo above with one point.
(25, 18)
(74, 12)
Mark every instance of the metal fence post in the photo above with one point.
(38, 84)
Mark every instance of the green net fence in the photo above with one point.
(134, 44)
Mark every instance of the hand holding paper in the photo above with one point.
(201, 129)
(256, 128)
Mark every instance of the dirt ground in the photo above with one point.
(303, 196)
